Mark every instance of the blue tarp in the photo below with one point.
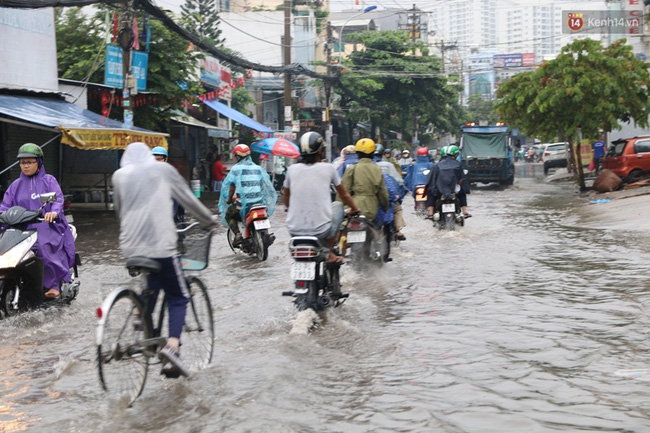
(237, 116)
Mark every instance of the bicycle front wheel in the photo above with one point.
(198, 332)
(122, 362)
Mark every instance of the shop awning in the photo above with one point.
(80, 128)
(186, 119)
(237, 116)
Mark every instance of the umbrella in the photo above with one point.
(277, 147)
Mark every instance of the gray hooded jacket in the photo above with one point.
(143, 193)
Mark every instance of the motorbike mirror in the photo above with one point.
(48, 197)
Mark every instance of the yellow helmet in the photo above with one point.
(365, 145)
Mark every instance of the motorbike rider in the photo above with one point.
(55, 245)
(161, 155)
(348, 157)
(310, 210)
(399, 191)
(147, 229)
(387, 156)
(445, 179)
(252, 185)
(405, 161)
(417, 173)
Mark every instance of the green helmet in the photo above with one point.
(379, 149)
(443, 151)
(453, 151)
(30, 150)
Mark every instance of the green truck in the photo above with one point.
(486, 153)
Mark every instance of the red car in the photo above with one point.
(629, 158)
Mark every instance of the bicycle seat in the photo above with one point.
(139, 263)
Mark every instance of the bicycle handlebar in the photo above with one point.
(191, 225)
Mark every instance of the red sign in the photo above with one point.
(575, 21)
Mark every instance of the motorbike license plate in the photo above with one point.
(262, 224)
(448, 207)
(419, 197)
(303, 271)
(356, 237)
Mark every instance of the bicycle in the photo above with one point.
(128, 340)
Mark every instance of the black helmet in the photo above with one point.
(311, 143)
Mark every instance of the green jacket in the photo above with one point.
(395, 163)
(369, 188)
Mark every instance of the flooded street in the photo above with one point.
(516, 322)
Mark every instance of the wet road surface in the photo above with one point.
(516, 322)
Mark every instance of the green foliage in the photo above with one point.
(80, 38)
(586, 87)
(201, 17)
(480, 109)
(241, 99)
(400, 85)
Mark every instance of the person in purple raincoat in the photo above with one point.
(55, 244)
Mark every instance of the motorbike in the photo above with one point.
(448, 213)
(255, 233)
(421, 200)
(21, 271)
(367, 242)
(317, 282)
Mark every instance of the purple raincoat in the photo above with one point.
(55, 244)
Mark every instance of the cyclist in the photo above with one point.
(55, 244)
(147, 229)
(311, 211)
(161, 155)
(251, 183)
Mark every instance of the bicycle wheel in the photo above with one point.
(122, 362)
(198, 333)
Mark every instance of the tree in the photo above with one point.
(201, 17)
(481, 109)
(403, 88)
(586, 89)
(81, 53)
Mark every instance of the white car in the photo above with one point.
(554, 155)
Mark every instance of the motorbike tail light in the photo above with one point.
(303, 252)
(355, 225)
(99, 313)
(419, 190)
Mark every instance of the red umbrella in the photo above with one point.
(276, 146)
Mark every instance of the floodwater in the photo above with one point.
(516, 322)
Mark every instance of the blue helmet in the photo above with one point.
(159, 150)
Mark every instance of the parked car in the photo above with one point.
(629, 158)
(554, 155)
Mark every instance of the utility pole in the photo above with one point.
(125, 39)
(328, 93)
(413, 25)
(288, 115)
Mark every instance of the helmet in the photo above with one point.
(365, 145)
(159, 150)
(443, 151)
(405, 152)
(387, 151)
(453, 151)
(379, 149)
(310, 143)
(349, 149)
(423, 151)
(241, 150)
(30, 150)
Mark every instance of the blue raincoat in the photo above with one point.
(348, 160)
(252, 184)
(385, 217)
(55, 244)
(417, 173)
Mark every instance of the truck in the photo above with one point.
(486, 153)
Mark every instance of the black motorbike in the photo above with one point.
(448, 213)
(21, 271)
(367, 242)
(317, 282)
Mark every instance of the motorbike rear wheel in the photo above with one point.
(261, 244)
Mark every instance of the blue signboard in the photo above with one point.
(113, 75)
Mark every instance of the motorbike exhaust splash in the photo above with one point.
(305, 322)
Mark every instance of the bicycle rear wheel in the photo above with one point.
(198, 332)
(122, 362)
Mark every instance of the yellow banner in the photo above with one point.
(105, 139)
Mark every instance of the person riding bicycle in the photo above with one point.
(161, 155)
(310, 210)
(365, 181)
(252, 185)
(445, 179)
(147, 229)
(55, 245)
(418, 172)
